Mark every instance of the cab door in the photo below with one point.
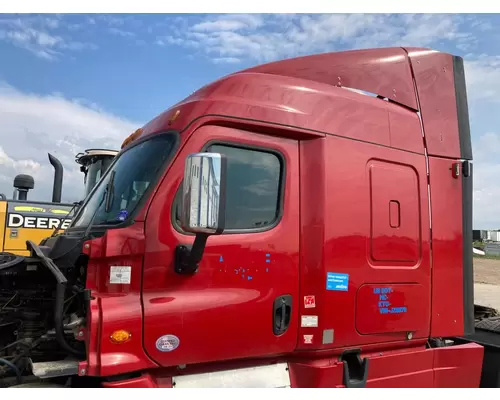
(232, 306)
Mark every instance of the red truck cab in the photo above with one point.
(277, 220)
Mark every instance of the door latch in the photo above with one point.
(282, 312)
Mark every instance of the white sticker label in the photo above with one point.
(309, 321)
(308, 339)
(120, 275)
(167, 343)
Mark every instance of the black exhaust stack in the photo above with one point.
(58, 179)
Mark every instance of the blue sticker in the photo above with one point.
(122, 215)
(335, 281)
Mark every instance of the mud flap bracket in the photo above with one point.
(355, 369)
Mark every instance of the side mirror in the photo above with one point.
(202, 206)
(203, 194)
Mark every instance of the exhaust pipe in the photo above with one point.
(58, 179)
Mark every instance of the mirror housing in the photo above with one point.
(202, 206)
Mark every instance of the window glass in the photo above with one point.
(120, 191)
(252, 189)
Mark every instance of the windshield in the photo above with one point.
(119, 192)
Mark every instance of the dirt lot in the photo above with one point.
(487, 282)
(487, 271)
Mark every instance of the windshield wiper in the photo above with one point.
(110, 192)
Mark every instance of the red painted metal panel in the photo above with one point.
(447, 271)
(458, 366)
(406, 131)
(335, 231)
(290, 102)
(395, 238)
(216, 313)
(390, 308)
(325, 373)
(385, 72)
(293, 102)
(115, 307)
(406, 369)
(438, 107)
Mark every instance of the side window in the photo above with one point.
(254, 187)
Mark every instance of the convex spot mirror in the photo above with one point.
(204, 194)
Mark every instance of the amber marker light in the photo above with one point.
(132, 137)
(120, 336)
(174, 117)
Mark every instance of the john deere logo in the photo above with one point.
(21, 221)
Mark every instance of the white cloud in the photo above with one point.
(119, 20)
(38, 42)
(120, 32)
(267, 37)
(486, 189)
(230, 22)
(483, 77)
(33, 126)
(37, 34)
(111, 20)
(226, 60)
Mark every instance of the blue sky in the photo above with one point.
(69, 82)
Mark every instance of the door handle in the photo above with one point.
(282, 312)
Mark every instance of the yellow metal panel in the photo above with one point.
(22, 221)
(3, 215)
(25, 253)
(15, 238)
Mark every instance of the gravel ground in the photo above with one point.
(487, 271)
(487, 282)
(487, 295)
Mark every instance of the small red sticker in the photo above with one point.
(308, 339)
(309, 301)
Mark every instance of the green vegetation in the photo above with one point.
(478, 245)
(486, 257)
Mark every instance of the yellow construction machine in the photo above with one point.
(22, 219)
